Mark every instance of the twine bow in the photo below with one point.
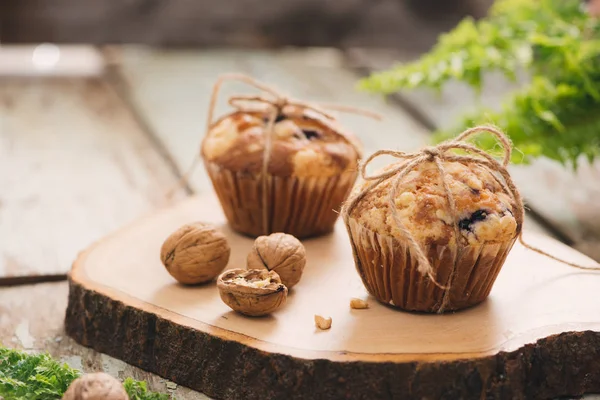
(275, 103)
(438, 155)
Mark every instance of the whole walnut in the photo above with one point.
(281, 253)
(195, 253)
(96, 386)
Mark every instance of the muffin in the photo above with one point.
(311, 170)
(465, 265)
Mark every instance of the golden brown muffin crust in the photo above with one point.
(485, 212)
(301, 146)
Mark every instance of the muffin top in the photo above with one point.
(302, 145)
(485, 211)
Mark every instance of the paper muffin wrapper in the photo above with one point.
(301, 206)
(388, 269)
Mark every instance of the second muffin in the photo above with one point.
(311, 170)
(466, 266)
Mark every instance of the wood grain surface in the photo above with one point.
(75, 166)
(32, 319)
(119, 287)
(564, 198)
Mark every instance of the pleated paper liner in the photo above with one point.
(300, 206)
(389, 271)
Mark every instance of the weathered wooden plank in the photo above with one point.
(171, 89)
(242, 23)
(32, 319)
(74, 166)
(566, 199)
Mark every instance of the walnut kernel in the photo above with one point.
(195, 253)
(323, 323)
(253, 292)
(96, 386)
(358, 304)
(281, 253)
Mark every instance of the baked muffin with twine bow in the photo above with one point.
(431, 232)
(277, 164)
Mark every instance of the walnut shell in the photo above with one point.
(281, 253)
(96, 386)
(195, 253)
(253, 292)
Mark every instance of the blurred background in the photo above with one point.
(400, 24)
(103, 105)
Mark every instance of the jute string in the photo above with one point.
(275, 103)
(438, 155)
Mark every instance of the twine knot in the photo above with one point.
(431, 153)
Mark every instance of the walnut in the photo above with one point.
(281, 253)
(358, 304)
(593, 7)
(253, 292)
(96, 386)
(195, 253)
(323, 323)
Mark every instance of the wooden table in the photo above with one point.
(93, 139)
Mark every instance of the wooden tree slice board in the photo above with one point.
(537, 336)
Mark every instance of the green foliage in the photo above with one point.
(557, 114)
(138, 391)
(26, 377)
(38, 377)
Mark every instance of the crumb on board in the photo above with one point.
(322, 323)
(358, 304)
